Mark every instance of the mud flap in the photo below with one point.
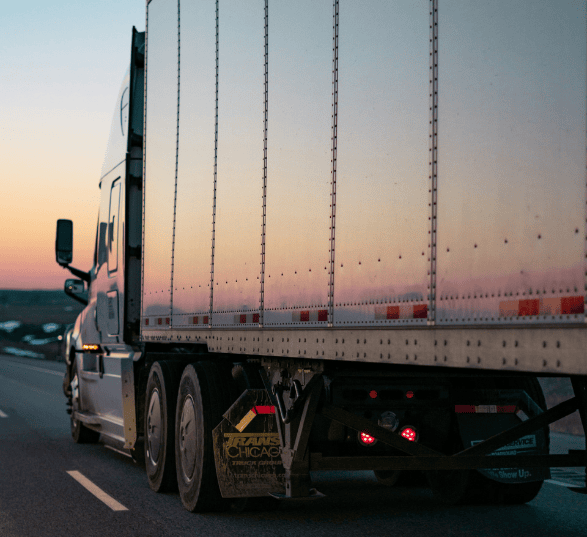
(475, 428)
(247, 448)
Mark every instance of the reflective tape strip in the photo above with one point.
(246, 318)
(160, 321)
(570, 305)
(241, 425)
(260, 409)
(309, 316)
(265, 409)
(485, 409)
(401, 311)
(200, 319)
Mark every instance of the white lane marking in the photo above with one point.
(561, 484)
(38, 368)
(2, 415)
(97, 491)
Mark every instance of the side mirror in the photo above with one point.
(74, 289)
(64, 243)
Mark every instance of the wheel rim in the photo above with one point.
(154, 427)
(187, 438)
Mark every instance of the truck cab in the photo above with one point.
(101, 340)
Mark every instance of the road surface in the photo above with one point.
(50, 486)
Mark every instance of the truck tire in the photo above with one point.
(452, 487)
(389, 478)
(80, 433)
(160, 398)
(460, 487)
(400, 478)
(204, 395)
(520, 493)
(455, 487)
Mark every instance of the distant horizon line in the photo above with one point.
(32, 290)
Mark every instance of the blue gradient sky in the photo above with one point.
(62, 65)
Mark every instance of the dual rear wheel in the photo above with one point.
(180, 414)
(159, 427)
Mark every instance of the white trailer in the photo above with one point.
(339, 235)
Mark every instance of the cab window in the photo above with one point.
(113, 227)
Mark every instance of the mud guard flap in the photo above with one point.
(247, 448)
(475, 428)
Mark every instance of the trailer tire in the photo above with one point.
(159, 427)
(400, 478)
(450, 487)
(520, 493)
(79, 432)
(388, 478)
(454, 487)
(203, 398)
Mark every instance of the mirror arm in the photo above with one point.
(85, 276)
(75, 297)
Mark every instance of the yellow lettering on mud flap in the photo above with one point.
(255, 445)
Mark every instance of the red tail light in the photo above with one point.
(409, 433)
(366, 439)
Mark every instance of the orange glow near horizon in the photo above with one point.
(58, 179)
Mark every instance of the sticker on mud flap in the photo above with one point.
(526, 442)
(524, 445)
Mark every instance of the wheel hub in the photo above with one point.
(154, 427)
(187, 438)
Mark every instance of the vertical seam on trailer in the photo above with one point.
(215, 172)
(176, 157)
(265, 125)
(433, 158)
(334, 150)
(585, 217)
(144, 168)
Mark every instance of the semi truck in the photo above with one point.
(338, 235)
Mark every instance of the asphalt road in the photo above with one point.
(38, 497)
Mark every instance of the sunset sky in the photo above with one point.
(510, 169)
(62, 65)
